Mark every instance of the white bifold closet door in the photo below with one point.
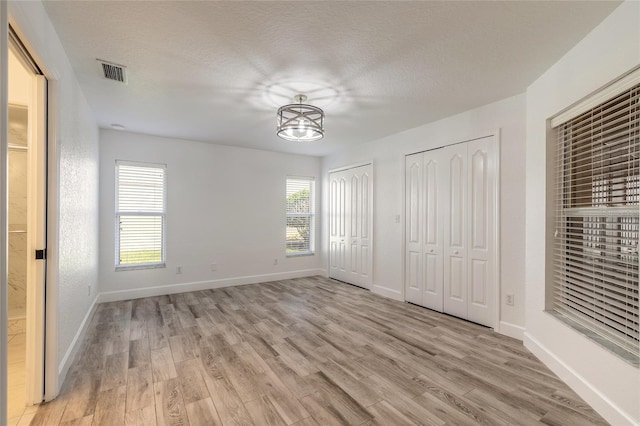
(450, 229)
(350, 225)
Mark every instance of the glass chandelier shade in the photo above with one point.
(300, 122)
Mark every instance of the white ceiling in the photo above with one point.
(217, 71)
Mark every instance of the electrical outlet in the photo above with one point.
(178, 269)
(509, 299)
(275, 262)
(89, 289)
(214, 267)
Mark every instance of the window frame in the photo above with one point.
(596, 214)
(119, 214)
(311, 215)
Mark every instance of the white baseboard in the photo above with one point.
(114, 296)
(603, 405)
(68, 357)
(511, 330)
(387, 292)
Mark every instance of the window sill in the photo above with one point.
(306, 253)
(624, 355)
(140, 266)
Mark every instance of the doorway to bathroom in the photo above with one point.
(26, 230)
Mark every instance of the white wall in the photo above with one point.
(73, 195)
(609, 384)
(224, 205)
(388, 153)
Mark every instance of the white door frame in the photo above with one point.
(51, 365)
(36, 269)
(47, 386)
(4, 151)
(29, 32)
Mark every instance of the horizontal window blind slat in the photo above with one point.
(596, 212)
(602, 315)
(603, 169)
(617, 290)
(595, 267)
(621, 111)
(626, 311)
(624, 260)
(619, 121)
(140, 213)
(621, 264)
(300, 209)
(603, 292)
(620, 340)
(625, 330)
(609, 95)
(608, 144)
(626, 334)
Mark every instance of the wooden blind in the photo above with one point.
(140, 214)
(597, 211)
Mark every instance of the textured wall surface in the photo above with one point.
(78, 213)
(224, 205)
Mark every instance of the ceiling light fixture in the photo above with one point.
(300, 122)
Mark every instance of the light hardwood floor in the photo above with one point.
(309, 351)
(18, 414)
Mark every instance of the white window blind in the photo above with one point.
(300, 216)
(140, 214)
(597, 222)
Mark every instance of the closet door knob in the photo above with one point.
(455, 252)
(430, 250)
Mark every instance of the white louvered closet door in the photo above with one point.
(351, 225)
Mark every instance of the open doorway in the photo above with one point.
(26, 231)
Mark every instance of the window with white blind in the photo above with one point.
(140, 215)
(300, 216)
(595, 285)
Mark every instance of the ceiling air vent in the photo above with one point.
(114, 72)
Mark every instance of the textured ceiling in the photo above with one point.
(217, 71)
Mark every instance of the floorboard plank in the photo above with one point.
(170, 408)
(203, 413)
(139, 389)
(110, 407)
(306, 352)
